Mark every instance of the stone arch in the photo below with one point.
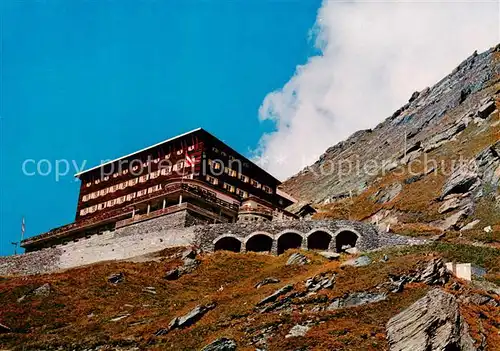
(346, 237)
(227, 242)
(319, 239)
(259, 242)
(289, 239)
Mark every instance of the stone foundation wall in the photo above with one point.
(134, 240)
(168, 231)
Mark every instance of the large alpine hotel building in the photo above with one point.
(193, 174)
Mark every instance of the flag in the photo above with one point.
(23, 228)
(189, 161)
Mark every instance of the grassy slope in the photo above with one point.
(82, 302)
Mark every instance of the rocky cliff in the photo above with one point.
(433, 166)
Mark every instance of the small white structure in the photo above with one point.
(460, 270)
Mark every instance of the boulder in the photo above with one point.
(221, 344)
(433, 323)
(275, 295)
(191, 317)
(189, 253)
(352, 250)
(42, 291)
(320, 281)
(298, 330)
(470, 225)
(297, 259)
(358, 262)
(116, 278)
(329, 255)
(172, 274)
(266, 281)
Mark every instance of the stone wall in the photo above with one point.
(168, 231)
(131, 241)
(207, 236)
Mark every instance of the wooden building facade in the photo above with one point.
(193, 172)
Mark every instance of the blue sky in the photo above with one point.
(91, 80)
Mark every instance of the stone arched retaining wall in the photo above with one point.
(207, 236)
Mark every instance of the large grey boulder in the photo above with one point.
(222, 344)
(433, 323)
(188, 319)
(297, 259)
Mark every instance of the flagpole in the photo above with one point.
(23, 228)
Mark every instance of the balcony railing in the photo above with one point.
(189, 186)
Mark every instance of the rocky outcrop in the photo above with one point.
(116, 278)
(275, 295)
(188, 319)
(297, 259)
(433, 323)
(461, 181)
(435, 273)
(222, 344)
(266, 281)
(190, 263)
(356, 299)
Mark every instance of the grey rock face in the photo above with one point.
(222, 344)
(356, 299)
(389, 193)
(461, 180)
(435, 273)
(297, 259)
(432, 118)
(433, 323)
(485, 110)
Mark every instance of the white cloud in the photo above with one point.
(374, 55)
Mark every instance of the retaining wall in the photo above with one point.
(169, 231)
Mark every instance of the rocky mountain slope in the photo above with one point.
(397, 299)
(431, 167)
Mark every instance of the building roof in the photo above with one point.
(164, 142)
(136, 152)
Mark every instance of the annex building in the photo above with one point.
(194, 176)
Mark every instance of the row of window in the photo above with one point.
(222, 153)
(140, 164)
(142, 179)
(242, 177)
(120, 200)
